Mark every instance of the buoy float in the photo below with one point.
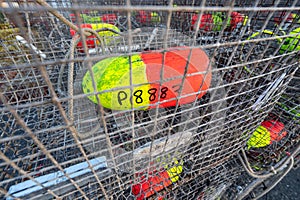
(267, 133)
(91, 40)
(112, 76)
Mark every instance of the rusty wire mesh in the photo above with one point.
(172, 135)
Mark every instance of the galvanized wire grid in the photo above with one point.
(275, 155)
(56, 143)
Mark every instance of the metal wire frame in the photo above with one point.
(286, 112)
(210, 184)
(276, 154)
(247, 187)
(42, 111)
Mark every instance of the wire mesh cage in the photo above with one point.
(145, 99)
(211, 184)
(285, 119)
(279, 156)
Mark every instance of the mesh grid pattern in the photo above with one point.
(145, 99)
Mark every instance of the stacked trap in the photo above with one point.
(146, 99)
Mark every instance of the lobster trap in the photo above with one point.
(132, 99)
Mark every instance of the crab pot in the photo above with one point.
(281, 127)
(132, 99)
(277, 136)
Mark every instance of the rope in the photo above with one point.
(70, 77)
(86, 32)
(59, 16)
(76, 39)
(70, 54)
(74, 43)
(291, 163)
(260, 180)
(249, 170)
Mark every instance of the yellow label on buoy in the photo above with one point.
(112, 76)
(260, 138)
(174, 172)
(107, 35)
